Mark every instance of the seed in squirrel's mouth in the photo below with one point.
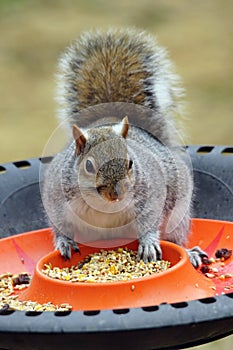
(114, 199)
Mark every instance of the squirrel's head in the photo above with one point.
(103, 161)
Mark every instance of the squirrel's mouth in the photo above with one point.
(110, 194)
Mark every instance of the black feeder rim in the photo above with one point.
(166, 326)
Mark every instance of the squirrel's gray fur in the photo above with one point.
(119, 176)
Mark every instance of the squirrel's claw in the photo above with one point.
(64, 245)
(195, 255)
(149, 251)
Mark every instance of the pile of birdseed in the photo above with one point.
(11, 284)
(107, 266)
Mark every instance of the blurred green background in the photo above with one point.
(198, 35)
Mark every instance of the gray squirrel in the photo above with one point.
(123, 173)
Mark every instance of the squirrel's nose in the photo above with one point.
(113, 192)
(118, 190)
(114, 195)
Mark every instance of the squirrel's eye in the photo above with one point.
(130, 164)
(90, 167)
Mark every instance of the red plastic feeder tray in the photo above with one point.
(181, 282)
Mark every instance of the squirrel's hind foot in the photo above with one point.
(64, 245)
(195, 255)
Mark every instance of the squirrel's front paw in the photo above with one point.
(149, 251)
(64, 244)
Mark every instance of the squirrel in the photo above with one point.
(124, 172)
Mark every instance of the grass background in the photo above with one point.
(198, 35)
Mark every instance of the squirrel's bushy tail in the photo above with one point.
(123, 65)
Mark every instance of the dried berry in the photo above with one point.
(4, 309)
(22, 278)
(205, 269)
(15, 281)
(223, 253)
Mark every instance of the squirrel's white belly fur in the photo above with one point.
(87, 223)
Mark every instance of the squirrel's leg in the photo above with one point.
(64, 245)
(149, 247)
(147, 226)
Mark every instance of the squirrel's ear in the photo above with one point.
(122, 128)
(80, 139)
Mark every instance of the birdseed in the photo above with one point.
(11, 284)
(107, 266)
